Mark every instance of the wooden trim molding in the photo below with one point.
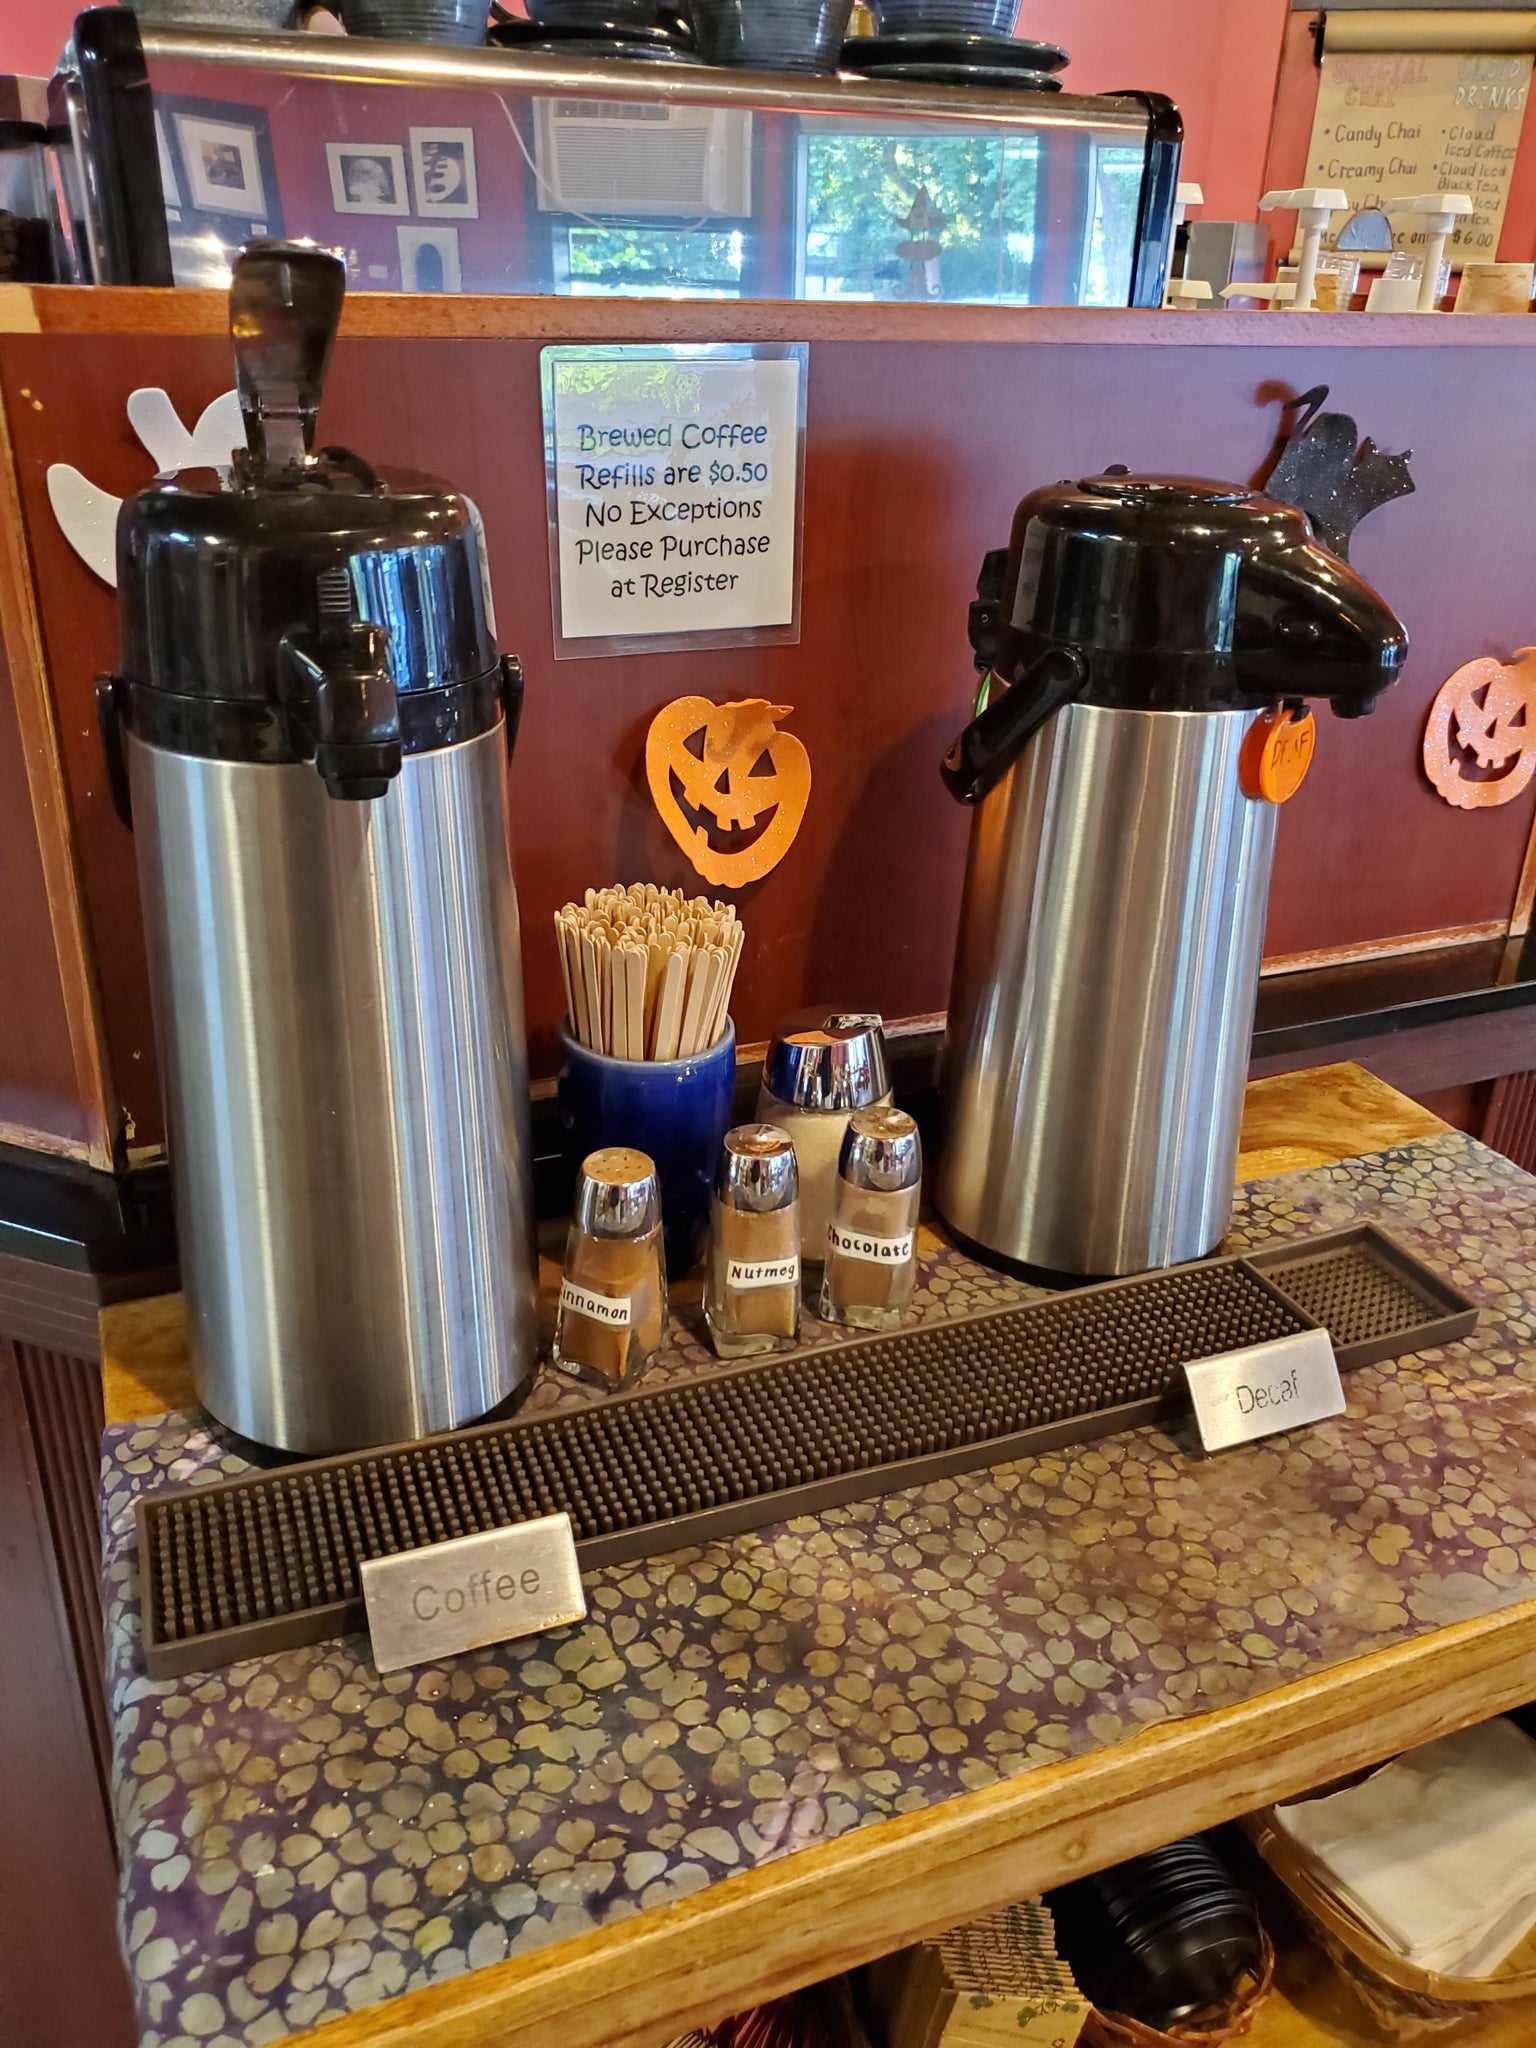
(128, 309)
(62, 1980)
(1382, 949)
(21, 633)
(825, 1909)
(63, 1401)
(1509, 1125)
(48, 1143)
(1525, 890)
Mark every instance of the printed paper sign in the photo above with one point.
(1265, 1388)
(674, 488)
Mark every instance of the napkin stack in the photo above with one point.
(1435, 1852)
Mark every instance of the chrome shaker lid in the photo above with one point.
(758, 1171)
(838, 1064)
(616, 1194)
(881, 1150)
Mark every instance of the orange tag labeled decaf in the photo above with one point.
(1276, 755)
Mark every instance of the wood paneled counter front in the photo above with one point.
(764, 1760)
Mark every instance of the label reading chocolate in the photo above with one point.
(863, 1244)
(613, 1311)
(763, 1272)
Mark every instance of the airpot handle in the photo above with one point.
(284, 308)
(982, 755)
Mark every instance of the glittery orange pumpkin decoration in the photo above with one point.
(1492, 705)
(731, 788)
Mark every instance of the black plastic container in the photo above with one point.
(1162, 1937)
(771, 35)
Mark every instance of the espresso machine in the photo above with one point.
(1101, 1008)
(312, 725)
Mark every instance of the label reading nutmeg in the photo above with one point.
(763, 1272)
(863, 1244)
(613, 1311)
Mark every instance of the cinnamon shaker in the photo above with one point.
(613, 1291)
(871, 1253)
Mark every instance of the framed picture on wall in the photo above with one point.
(429, 259)
(221, 161)
(368, 177)
(218, 183)
(443, 172)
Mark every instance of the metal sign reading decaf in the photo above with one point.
(461, 1595)
(674, 481)
(1264, 1388)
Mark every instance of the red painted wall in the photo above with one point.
(1218, 59)
(916, 453)
(33, 32)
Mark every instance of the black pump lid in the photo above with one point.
(1182, 594)
(261, 602)
(1153, 593)
(216, 571)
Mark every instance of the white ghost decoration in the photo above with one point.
(87, 514)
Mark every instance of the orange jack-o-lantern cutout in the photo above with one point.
(1276, 754)
(1492, 705)
(731, 788)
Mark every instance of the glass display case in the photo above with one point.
(497, 170)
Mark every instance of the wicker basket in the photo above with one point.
(1391, 1989)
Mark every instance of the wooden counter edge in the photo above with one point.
(136, 310)
(827, 1908)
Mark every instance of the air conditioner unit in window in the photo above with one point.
(630, 159)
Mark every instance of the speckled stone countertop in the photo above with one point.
(301, 1838)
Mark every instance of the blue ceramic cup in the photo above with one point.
(677, 1111)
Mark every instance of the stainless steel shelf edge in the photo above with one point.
(359, 61)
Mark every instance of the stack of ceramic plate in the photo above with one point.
(599, 28)
(951, 58)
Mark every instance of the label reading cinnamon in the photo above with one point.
(614, 1311)
(863, 1244)
(763, 1272)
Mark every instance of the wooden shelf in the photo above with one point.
(107, 310)
(824, 1909)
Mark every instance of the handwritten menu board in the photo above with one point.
(1389, 126)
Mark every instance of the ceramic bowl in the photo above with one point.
(771, 35)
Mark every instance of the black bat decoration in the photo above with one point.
(1326, 471)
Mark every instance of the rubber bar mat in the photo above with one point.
(271, 1560)
(1369, 1294)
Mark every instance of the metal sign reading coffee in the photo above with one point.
(461, 1595)
(674, 479)
(1390, 125)
(1265, 1388)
